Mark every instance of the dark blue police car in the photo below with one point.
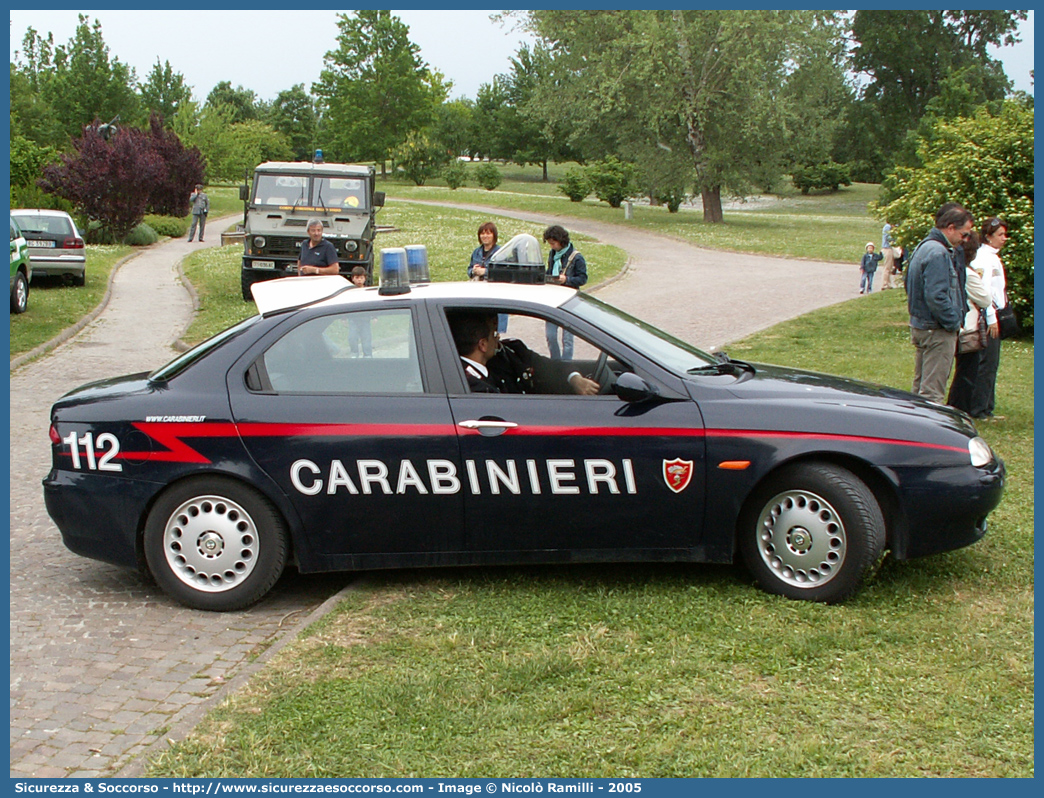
(336, 431)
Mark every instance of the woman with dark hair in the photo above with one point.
(487, 236)
(966, 371)
(994, 236)
(565, 266)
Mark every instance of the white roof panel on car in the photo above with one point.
(330, 290)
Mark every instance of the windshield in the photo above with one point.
(339, 192)
(281, 190)
(671, 353)
(186, 359)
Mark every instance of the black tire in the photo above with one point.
(245, 281)
(80, 279)
(213, 543)
(812, 532)
(20, 294)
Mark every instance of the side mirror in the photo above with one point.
(378, 199)
(632, 388)
(244, 193)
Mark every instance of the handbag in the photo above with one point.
(1007, 321)
(975, 339)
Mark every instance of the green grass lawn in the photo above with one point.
(671, 670)
(53, 306)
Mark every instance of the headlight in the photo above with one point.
(259, 242)
(351, 246)
(980, 452)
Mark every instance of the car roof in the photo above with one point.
(288, 293)
(305, 167)
(37, 212)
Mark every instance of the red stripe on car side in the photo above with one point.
(170, 435)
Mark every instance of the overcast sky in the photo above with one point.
(268, 51)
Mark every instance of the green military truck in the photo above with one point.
(284, 196)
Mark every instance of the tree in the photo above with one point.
(907, 55)
(108, 181)
(454, 128)
(293, 114)
(231, 150)
(374, 87)
(164, 91)
(86, 84)
(182, 169)
(707, 81)
(241, 103)
(984, 162)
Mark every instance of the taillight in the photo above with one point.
(53, 433)
(72, 242)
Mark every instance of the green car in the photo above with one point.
(21, 270)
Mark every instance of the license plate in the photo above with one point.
(263, 264)
(40, 243)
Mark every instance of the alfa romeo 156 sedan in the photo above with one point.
(336, 431)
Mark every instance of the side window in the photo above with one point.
(526, 360)
(365, 351)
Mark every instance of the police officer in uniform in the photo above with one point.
(509, 366)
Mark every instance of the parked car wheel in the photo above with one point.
(215, 544)
(20, 294)
(812, 532)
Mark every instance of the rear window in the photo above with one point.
(35, 224)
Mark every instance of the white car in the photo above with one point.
(55, 245)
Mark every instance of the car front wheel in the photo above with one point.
(213, 543)
(814, 531)
(20, 294)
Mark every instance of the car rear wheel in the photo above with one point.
(80, 279)
(813, 532)
(213, 543)
(20, 294)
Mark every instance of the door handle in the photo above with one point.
(488, 427)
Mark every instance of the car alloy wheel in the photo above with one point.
(215, 544)
(20, 294)
(813, 531)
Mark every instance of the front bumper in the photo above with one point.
(944, 508)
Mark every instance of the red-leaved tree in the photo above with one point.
(182, 166)
(116, 181)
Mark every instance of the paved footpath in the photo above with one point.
(102, 662)
(103, 665)
(704, 296)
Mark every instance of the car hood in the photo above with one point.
(783, 386)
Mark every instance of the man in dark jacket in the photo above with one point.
(935, 299)
(509, 366)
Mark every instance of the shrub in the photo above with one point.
(575, 184)
(612, 180)
(488, 176)
(171, 226)
(94, 232)
(985, 163)
(827, 175)
(419, 158)
(455, 174)
(672, 198)
(141, 236)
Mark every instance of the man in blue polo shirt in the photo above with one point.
(318, 256)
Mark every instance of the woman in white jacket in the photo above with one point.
(994, 236)
(966, 373)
